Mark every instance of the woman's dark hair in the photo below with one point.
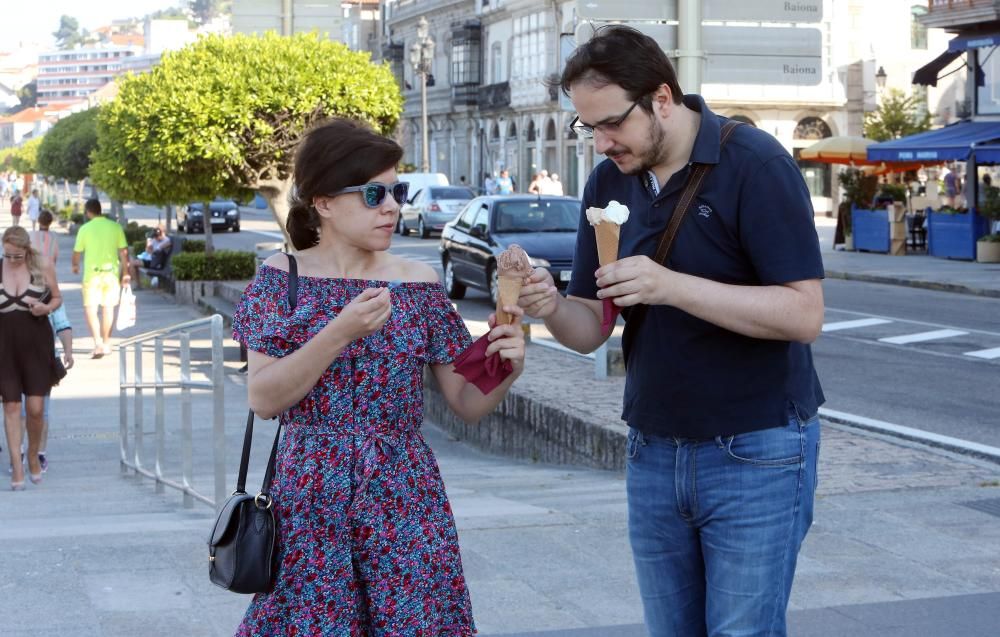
(334, 154)
(624, 56)
(44, 219)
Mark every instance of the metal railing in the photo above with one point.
(132, 455)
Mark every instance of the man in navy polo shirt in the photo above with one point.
(721, 394)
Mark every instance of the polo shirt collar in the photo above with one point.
(706, 143)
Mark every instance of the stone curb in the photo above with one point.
(913, 283)
(927, 438)
(522, 427)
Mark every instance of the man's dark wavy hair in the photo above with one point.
(624, 56)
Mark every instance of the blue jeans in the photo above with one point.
(716, 525)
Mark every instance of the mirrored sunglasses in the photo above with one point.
(374, 194)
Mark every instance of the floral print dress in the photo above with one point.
(367, 545)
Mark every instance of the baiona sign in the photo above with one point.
(714, 10)
(745, 55)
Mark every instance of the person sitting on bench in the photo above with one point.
(158, 247)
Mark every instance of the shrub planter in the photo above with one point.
(870, 229)
(987, 251)
(954, 236)
(191, 291)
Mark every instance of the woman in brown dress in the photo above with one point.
(28, 294)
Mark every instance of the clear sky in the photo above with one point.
(37, 19)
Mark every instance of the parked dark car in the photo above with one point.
(225, 216)
(431, 207)
(545, 226)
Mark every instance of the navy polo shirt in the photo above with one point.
(751, 224)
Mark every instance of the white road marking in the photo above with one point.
(938, 440)
(922, 336)
(988, 354)
(850, 325)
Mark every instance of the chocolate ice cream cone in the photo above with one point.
(607, 242)
(508, 289)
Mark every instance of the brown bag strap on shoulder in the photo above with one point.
(691, 189)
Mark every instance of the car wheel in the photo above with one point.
(424, 231)
(399, 226)
(454, 289)
(494, 281)
(189, 228)
(236, 227)
(403, 230)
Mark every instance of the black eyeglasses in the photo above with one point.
(373, 194)
(586, 130)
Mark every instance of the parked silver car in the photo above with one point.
(431, 207)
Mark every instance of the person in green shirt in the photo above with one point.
(104, 251)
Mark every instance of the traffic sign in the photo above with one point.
(745, 55)
(719, 10)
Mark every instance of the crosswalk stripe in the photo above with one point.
(849, 325)
(922, 336)
(988, 354)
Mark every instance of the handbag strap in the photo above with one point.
(241, 479)
(691, 189)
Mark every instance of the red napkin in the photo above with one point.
(485, 372)
(611, 312)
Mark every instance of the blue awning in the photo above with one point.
(988, 154)
(944, 144)
(928, 73)
(973, 41)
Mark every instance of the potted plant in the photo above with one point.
(859, 191)
(988, 246)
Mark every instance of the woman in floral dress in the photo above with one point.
(367, 545)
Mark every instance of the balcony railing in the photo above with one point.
(494, 96)
(960, 14)
(465, 95)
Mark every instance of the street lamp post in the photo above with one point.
(421, 57)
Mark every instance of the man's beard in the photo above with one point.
(654, 154)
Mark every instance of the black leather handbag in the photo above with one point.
(241, 548)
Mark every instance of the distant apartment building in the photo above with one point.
(65, 77)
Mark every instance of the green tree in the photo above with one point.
(899, 115)
(65, 150)
(223, 115)
(204, 10)
(69, 34)
(28, 94)
(22, 158)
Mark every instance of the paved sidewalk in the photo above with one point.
(905, 540)
(914, 270)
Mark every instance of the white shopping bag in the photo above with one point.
(126, 309)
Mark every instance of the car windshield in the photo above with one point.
(451, 193)
(537, 216)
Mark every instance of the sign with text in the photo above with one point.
(745, 55)
(720, 10)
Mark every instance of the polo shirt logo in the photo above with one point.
(704, 211)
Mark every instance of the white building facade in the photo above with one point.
(518, 121)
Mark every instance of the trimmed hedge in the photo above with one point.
(193, 245)
(224, 265)
(138, 247)
(134, 232)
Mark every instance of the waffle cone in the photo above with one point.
(607, 242)
(508, 288)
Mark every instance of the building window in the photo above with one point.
(465, 64)
(811, 128)
(497, 55)
(918, 31)
(988, 95)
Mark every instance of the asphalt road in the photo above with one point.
(907, 356)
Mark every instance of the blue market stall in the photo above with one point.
(950, 234)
